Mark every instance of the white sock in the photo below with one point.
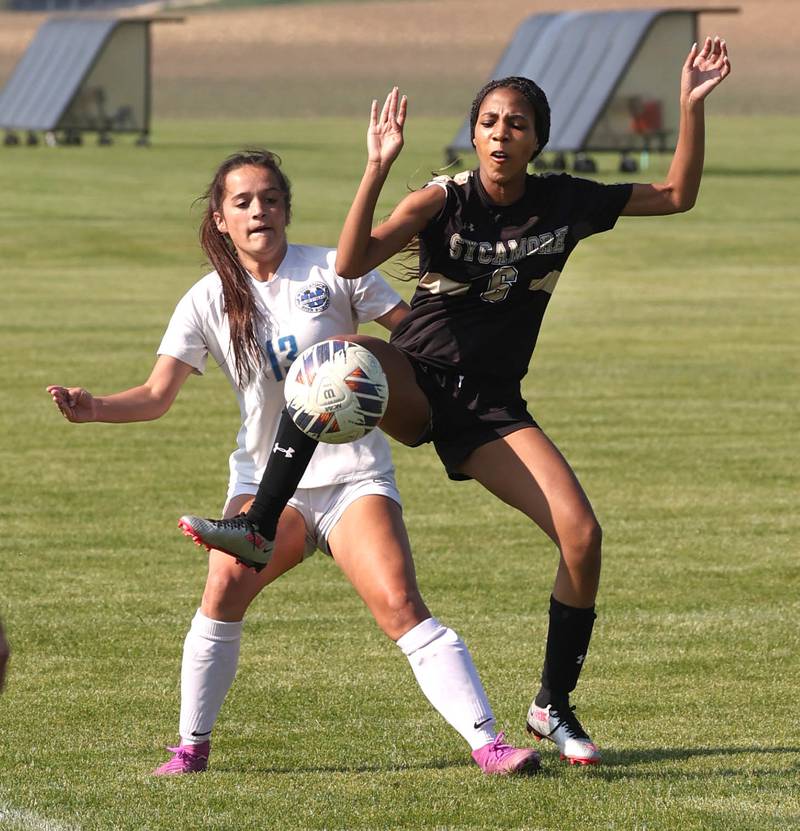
(444, 671)
(210, 658)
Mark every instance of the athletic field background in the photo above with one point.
(306, 59)
(667, 372)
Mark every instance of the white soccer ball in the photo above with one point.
(336, 391)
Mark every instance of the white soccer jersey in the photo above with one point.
(305, 302)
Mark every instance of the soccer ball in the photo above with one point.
(336, 391)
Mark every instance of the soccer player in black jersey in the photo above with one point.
(493, 242)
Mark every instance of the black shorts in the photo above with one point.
(466, 414)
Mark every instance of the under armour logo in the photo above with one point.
(469, 226)
(287, 451)
(580, 659)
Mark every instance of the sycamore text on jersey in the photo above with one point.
(508, 251)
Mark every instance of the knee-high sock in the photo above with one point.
(210, 658)
(568, 637)
(291, 453)
(446, 675)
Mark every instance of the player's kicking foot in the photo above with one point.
(561, 726)
(187, 758)
(500, 758)
(237, 537)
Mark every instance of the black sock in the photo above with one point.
(291, 453)
(568, 639)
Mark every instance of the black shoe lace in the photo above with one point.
(236, 522)
(570, 723)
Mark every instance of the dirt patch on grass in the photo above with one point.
(333, 58)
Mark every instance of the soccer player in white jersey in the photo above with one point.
(265, 302)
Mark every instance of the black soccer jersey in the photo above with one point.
(487, 271)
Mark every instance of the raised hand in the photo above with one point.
(385, 134)
(76, 404)
(704, 69)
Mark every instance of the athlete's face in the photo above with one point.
(505, 134)
(253, 214)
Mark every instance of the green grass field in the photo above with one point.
(667, 372)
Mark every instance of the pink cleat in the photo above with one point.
(500, 758)
(188, 758)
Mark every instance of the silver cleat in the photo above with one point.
(561, 726)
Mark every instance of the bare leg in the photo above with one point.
(370, 544)
(408, 412)
(231, 588)
(371, 547)
(527, 471)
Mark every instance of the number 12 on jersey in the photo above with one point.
(280, 358)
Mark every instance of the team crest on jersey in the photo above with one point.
(314, 298)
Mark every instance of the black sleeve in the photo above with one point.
(596, 207)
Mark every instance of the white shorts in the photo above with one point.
(322, 508)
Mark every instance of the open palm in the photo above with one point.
(705, 68)
(385, 133)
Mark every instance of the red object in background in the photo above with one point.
(646, 116)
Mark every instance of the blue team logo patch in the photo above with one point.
(314, 298)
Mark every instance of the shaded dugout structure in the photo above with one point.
(611, 76)
(82, 75)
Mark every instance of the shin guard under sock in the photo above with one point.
(210, 658)
(446, 675)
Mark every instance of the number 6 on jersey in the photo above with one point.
(500, 284)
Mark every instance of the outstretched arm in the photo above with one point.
(703, 70)
(143, 403)
(360, 248)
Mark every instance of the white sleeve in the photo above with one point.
(371, 296)
(185, 337)
(439, 181)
